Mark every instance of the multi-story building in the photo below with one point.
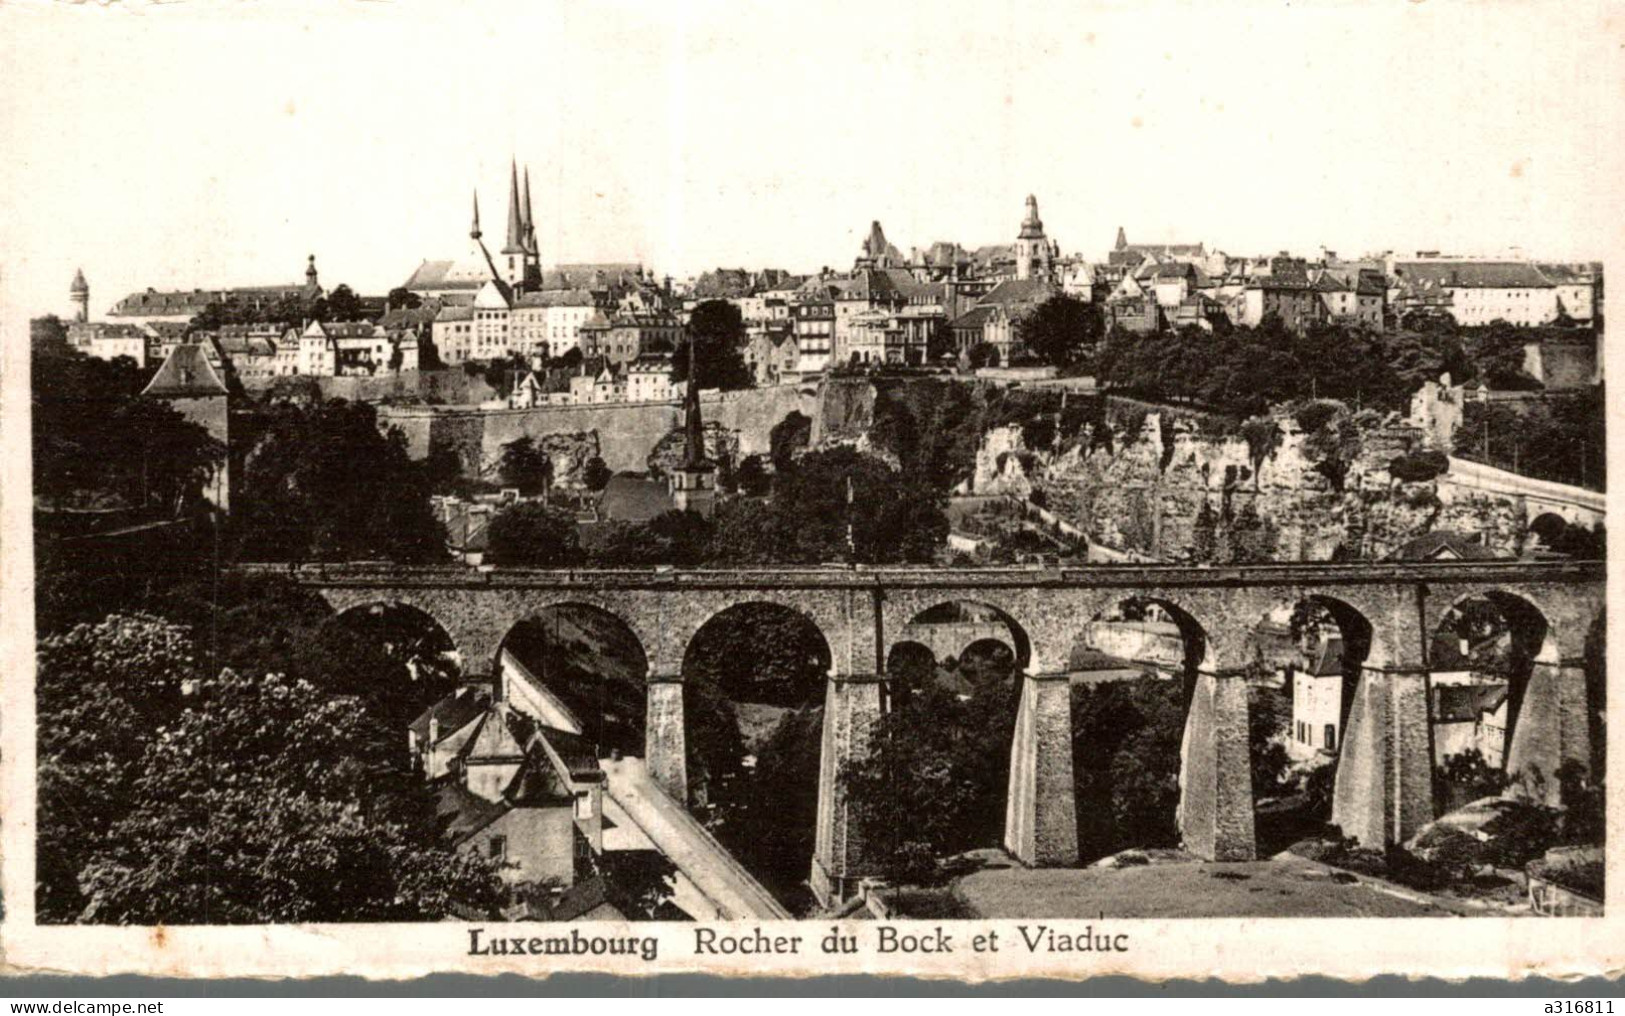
(1578, 289)
(1484, 291)
(648, 379)
(183, 305)
(1358, 297)
(548, 323)
(813, 324)
(621, 337)
(1290, 298)
(109, 340)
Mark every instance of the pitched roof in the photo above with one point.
(976, 317)
(494, 740)
(1328, 659)
(631, 497)
(1016, 291)
(1442, 543)
(454, 712)
(186, 373)
(1475, 274)
(556, 298)
(460, 813)
(1467, 702)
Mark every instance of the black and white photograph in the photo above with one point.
(909, 469)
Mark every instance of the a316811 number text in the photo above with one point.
(1588, 1008)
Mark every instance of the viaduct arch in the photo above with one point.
(1384, 785)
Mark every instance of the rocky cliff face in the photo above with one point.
(1139, 481)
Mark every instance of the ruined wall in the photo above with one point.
(1138, 480)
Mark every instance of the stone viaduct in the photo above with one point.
(1386, 611)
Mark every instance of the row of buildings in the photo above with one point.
(932, 305)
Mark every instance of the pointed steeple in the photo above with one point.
(693, 426)
(516, 230)
(1122, 239)
(474, 230)
(530, 223)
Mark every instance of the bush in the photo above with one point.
(1520, 833)
(1419, 467)
(1313, 416)
(1466, 776)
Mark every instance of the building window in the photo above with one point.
(1331, 738)
(498, 847)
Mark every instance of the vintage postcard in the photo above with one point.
(969, 489)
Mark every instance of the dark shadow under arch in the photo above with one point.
(586, 659)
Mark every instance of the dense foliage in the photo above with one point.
(97, 443)
(935, 780)
(1062, 332)
(717, 331)
(1559, 437)
(533, 535)
(174, 793)
(1243, 371)
(322, 482)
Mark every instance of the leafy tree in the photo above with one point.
(323, 483)
(1125, 751)
(526, 466)
(675, 538)
(532, 534)
(771, 821)
(1062, 331)
(1561, 437)
(596, 474)
(891, 516)
(752, 477)
(749, 532)
(1268, 720)
(1498, 349)
(340, 304)
(761, 653)
(401, 298)
(47, 336)
(717, 331)
(937, 773)
(97, 440)
(983, 354)
(258, 808)
(101, 690)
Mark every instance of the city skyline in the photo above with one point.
(239, 183)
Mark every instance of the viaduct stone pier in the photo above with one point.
(1387, 613)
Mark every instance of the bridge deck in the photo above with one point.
(382, 575)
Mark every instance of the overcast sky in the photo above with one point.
(192, 145)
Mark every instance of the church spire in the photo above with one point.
(693, 426)
(474, 230)
(530, 223)
(516, 230)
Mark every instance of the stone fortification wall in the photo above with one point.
(623, 434)
(452, 387)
